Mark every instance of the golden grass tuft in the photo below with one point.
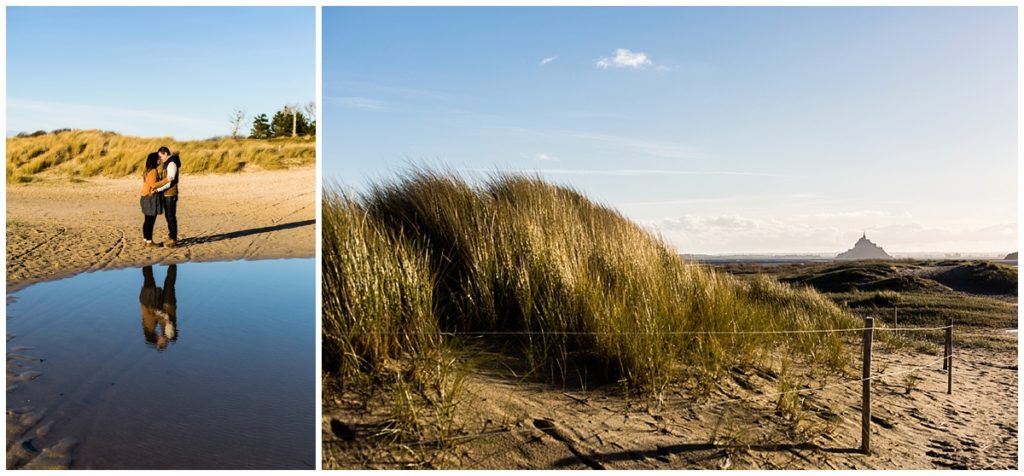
(573, 282)
(92, 153)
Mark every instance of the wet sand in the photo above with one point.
(58, 229)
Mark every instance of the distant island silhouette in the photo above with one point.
(864, 249)
(1011, 256)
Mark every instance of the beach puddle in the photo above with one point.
(189, 366)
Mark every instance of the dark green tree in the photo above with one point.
(310, 109)
(260, 128)
(288, 122)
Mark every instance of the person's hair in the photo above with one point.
(164, 150)
(152, 162)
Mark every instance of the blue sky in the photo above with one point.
(724, 129)
(155, 71)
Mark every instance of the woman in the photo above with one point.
(150, 201)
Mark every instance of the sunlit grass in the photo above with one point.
(92, 153)
(573, 282)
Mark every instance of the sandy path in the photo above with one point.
(535, 426)
(60, 229)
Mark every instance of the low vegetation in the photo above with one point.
(77, 154)
(979, 296)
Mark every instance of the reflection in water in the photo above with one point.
(159, 308)
(237, 392)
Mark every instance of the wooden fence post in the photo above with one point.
(949, 356)
(945, 349)
(865, 434)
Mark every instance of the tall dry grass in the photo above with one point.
(380, 329)
(571, 282)
(379, 304)
(91, 153)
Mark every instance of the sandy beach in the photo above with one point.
(515, 424)
(60, 228)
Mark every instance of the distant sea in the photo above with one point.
(802, 258)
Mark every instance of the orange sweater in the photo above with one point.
(150, 183)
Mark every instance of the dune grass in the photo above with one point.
(380, 331)
(92, 153)
(570, 282)
(379, 304)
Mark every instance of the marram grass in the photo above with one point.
(91, 153)
(378, 304)
(568, 281)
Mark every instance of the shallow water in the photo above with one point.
(198, 365)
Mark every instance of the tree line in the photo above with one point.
(292, 120)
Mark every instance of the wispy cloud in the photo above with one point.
(663, 149)
(730, 200)
(540, 156)
(632, 173)
(636, 172)
(26, 114)
(353, 86)
(547, 60)
(361, 103)
(624, 58)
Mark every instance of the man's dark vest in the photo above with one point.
(173, 189)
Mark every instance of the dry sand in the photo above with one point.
(536, 426)
(58, 229)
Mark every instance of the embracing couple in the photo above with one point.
(160, 195)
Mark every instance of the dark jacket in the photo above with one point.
(173, 190)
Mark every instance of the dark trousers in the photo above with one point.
(169, 280)
(147, 226)
(170, 213)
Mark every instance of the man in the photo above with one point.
(159, 308)
(172, 170)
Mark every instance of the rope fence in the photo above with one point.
(796, 331)
(865, 380)
(708, 405)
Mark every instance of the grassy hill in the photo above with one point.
(91, 153)
(541, 271)
(919, 292)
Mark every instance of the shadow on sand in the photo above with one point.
(238, 234)
(662, 451)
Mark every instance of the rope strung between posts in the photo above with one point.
(706, 405)
(574, 333)
(823, 387)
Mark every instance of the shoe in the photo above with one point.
(169, 244)
(150, 243)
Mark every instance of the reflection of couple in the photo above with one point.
(160, 195)
(159, 308)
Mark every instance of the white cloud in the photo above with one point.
(734, 233)
(624, 58)
(545, 157)
(547, 60)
